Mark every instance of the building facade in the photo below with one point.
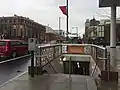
(60, 32)
(90, 30)
(19, 27)
(99, 33)
(103, 31)
(50, 34)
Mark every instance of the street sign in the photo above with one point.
(32, 44)
(108, 3)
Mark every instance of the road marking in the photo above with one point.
(13, 79)
(14, 59)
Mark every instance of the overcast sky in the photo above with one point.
(47, 11)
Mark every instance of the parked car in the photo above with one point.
(13, 48)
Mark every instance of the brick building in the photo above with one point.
(18, 27)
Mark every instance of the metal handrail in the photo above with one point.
(51, 45)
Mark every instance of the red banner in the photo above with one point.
(63, 9)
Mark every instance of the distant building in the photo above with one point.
(19, 27)
(50, 34)
(60, 32)
(103, 31)
(90, 30)
(83, 38)
(99, 33)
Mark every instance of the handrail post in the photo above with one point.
(108, 67)
(53, 51)
(61, 49)
(96, 54)
(92, 51)
(106, 61)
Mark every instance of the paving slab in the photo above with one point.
(51, 82)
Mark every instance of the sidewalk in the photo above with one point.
(50, 82)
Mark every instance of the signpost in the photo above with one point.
(32, 47)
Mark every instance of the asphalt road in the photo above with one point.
(9, 70)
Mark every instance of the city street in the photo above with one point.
(11, 69)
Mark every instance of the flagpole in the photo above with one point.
(67, 38)
(67, 21)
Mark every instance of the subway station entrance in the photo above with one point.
(77, 67)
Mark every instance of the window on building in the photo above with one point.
(10, 21)
(21, 32)
(100, 31)
(5, 21)
(63, 33)
(13, 32)
(1, 21)
(14, 21)
(102, 34)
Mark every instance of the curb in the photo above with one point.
(13, 59)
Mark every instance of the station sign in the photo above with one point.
(32, 44)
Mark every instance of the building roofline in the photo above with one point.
(27, 18)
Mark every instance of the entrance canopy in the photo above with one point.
(108, 3)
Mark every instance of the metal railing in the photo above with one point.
(46, 54)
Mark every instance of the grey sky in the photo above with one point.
(47, 11)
